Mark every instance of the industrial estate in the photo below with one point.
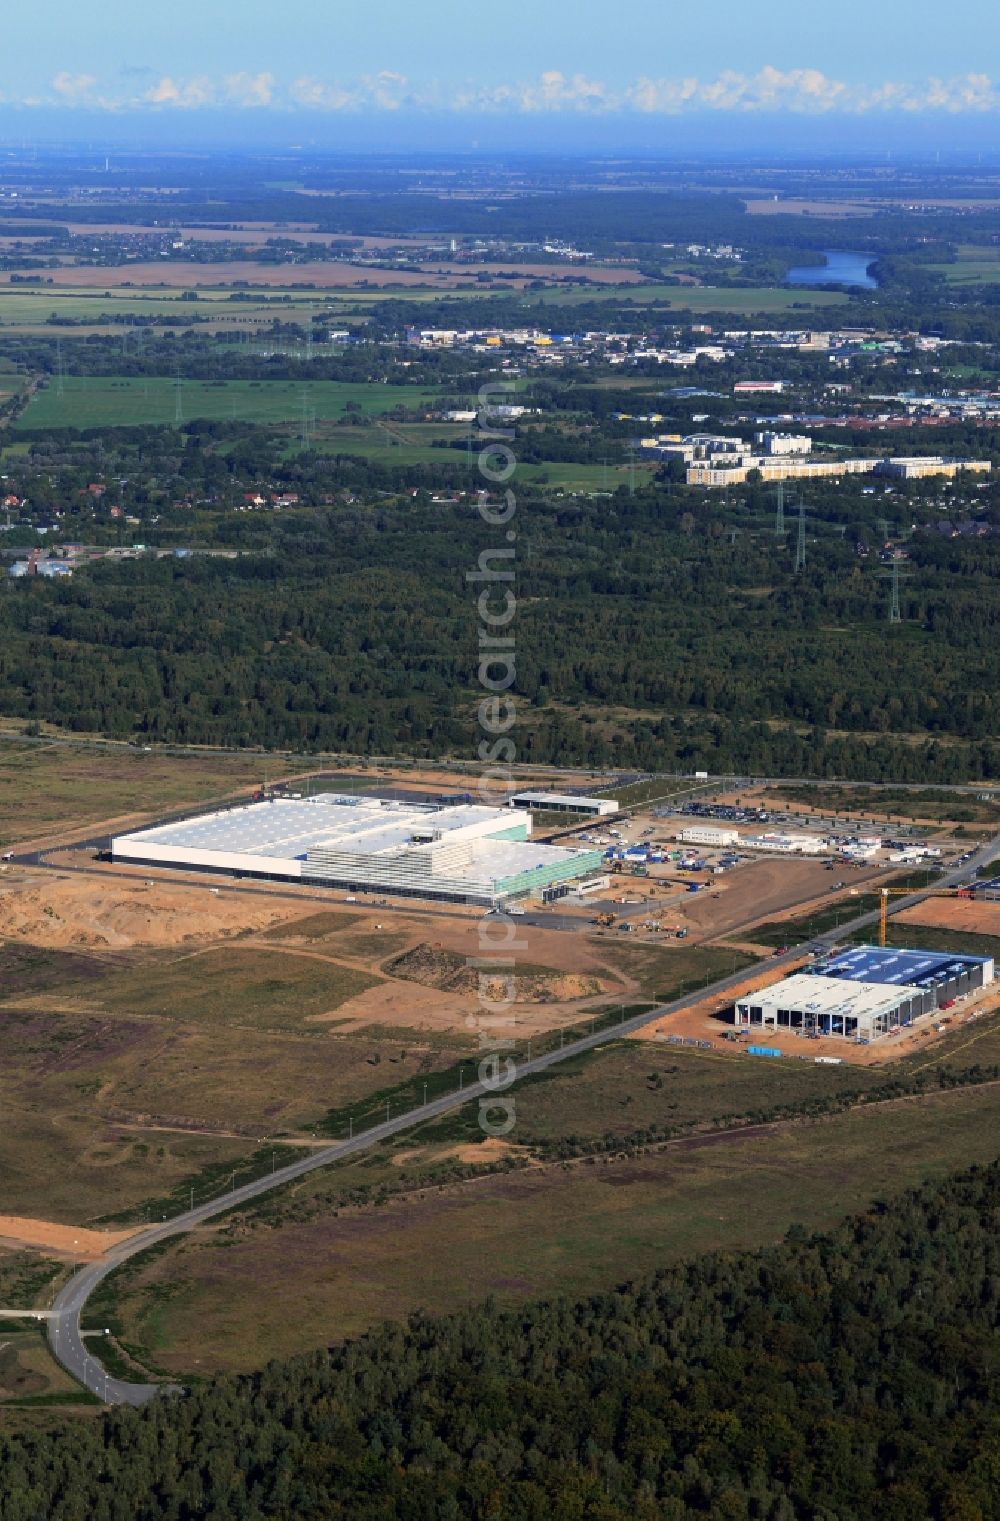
(498, 803)
(463, 854)
(384, 850)
(728, 461)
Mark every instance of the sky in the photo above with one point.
(552, 68)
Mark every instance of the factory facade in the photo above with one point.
(460, 853)
(715, 460)
(565, 802)
(864, 993)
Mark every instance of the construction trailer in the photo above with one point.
(708, 834)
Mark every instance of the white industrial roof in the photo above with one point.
(288, 828)
(829, 995)
(505, 858)
(562, 800)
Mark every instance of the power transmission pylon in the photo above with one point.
(895, 615)
(800, 543)
(178, 405)
(779, 513)
(631, 472)
(60, 380)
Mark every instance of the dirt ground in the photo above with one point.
(74, 1241)
(563, 973)
(765, 890)
(574, 963)
(975, 917)
(47, 908)
(701, 1021)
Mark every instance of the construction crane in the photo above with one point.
(885, 893)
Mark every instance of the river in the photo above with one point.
(841, 268)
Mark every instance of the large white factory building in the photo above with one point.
(462, 853)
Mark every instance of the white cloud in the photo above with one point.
(808, 91)
(186, 95)
(249, 89)
(805, 91)
(73, 87)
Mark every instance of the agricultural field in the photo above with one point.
(975, 264)
(82, 311)
(227, 1299)
(745, 300)
(104, 401)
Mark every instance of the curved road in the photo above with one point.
(64, 1324)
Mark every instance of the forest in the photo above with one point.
(644, 638)
(827, 1378)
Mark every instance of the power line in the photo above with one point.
(800, 543)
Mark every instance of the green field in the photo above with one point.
(974, 264)
(695, 298)
(98, 309)
(94, 308)
(110, 401)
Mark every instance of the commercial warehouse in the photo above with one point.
(708, 834)
(946, 974)
(864, 993)
(463, 854)
(564, 802)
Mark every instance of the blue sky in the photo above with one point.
(639, 60)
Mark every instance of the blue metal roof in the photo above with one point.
(870, 963)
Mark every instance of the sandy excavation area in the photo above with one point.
(974, 917)
(440, 977)
(73, 1241)
(116, 913)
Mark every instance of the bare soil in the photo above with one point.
(64, 1240)
(436, 968)
(975, 917)
(46, 908)
(766, 890)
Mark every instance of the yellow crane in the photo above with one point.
(885, 893)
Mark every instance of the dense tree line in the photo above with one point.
(644, 637)
(831, 1377)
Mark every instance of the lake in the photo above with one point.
(841, 268)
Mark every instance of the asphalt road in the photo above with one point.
(64, 1326)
